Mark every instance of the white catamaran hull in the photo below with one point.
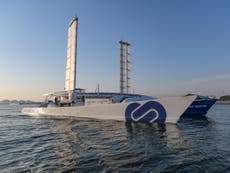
(166, 110)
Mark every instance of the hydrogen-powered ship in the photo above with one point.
(123, 106)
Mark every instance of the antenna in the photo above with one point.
(97, 89)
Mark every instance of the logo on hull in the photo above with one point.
(148, 112)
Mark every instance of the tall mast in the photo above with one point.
(70, 78)
(124, 67)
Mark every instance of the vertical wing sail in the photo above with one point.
(70, 79)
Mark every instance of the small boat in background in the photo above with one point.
(200, 106)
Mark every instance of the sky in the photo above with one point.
(177, 46)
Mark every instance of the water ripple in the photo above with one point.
(44, 144)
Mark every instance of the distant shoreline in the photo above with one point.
(19, 102)
(223, 102)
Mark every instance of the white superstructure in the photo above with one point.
(124, 67)
(70, 78)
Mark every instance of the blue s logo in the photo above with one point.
(148, 112)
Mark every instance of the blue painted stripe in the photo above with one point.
(200, 107)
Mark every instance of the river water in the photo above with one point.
(44, 144)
